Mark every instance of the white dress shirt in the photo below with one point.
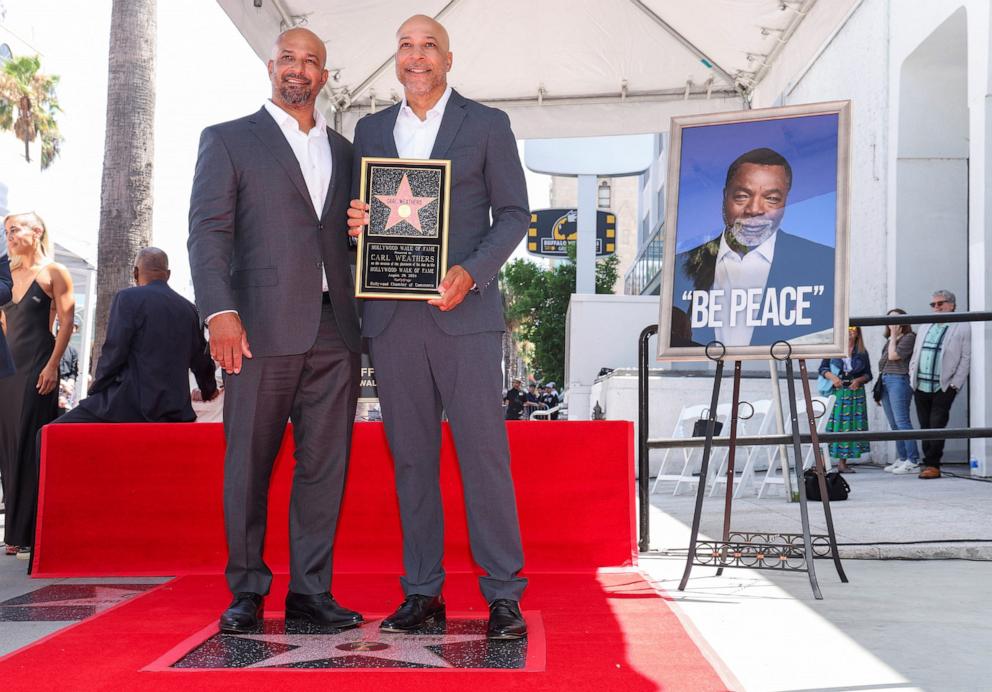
(415, 137)
(734, 271)
(313, 152)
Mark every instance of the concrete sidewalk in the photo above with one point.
(885, 516)
(897, 625)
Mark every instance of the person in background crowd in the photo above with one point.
(549, 397)
(514, 400)
(938, 369)
(68, 372)
(208, 410)
(42, 293)
(893, 368)
(153, 340)
(532, 401)
(850, 412)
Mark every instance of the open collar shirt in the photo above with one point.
(313, 152)
(734, 271)
(415, 137)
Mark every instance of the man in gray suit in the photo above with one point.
(270, 269)
(446, 353)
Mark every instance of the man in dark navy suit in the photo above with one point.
(153, 340)
(759, 262)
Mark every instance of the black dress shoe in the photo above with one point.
(415, 612)
(320, 609)
(505, 620)
(243, 615)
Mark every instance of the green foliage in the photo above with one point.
(22, 84)
(536, 303)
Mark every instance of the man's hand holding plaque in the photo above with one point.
(401, 222)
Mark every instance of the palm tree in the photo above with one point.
(126, 192)
(29, 106)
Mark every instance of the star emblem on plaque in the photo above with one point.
(403, 251)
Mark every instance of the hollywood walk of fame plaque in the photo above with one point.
(457, 643)
(403, 251)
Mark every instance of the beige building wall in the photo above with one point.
(623, 203)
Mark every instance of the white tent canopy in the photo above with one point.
(564, 67)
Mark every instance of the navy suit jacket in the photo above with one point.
(6, 294)
(486, 178)
(153, 340)
(797, 262)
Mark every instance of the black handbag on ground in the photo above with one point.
(837, 487)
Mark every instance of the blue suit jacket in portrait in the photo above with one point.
(797, 262)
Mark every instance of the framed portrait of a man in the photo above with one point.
(756, 234)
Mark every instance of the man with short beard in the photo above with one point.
(269, 260)
(446, 353)
(753, 252)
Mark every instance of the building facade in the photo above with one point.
(919, 76)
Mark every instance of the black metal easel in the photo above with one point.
(778, 551)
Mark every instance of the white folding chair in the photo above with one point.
(822, 418)
(694, 459)
(760, 423)
(772, 477)
(683, 428)
(544, 413)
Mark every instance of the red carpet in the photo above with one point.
(128, 500)
(606, 632)
(153, 492)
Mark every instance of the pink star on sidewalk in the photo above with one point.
(403, 206)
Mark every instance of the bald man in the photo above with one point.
(153, 340)
(446, 353)
(269, 259)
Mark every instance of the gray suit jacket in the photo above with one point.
(955, 355)
(257, 246)
(486, 177)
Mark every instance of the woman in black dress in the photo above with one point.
(42, 291)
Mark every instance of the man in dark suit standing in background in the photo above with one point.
(154, 339)
(269, 260)
(446, 353)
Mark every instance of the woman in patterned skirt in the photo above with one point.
(850, 414)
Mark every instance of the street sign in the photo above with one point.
(552, 229)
